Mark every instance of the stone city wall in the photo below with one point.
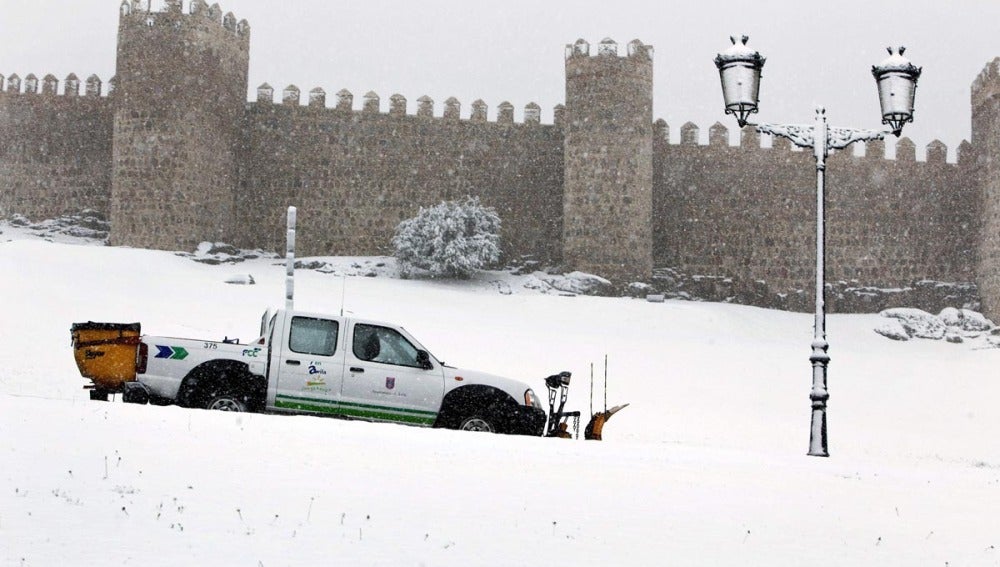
(177, 156)
(355, 174)
(748, 214)
(55, 148)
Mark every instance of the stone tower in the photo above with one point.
(986, 141)
(608, 164)
(180, 96)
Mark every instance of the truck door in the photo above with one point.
(384, 381)
(310, 368)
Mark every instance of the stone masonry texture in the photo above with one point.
(173, 154)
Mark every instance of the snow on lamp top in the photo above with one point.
(740, 72)
(896, 78)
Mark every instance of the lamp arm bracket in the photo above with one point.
(800, 135)
(803, 136)
(840, 138)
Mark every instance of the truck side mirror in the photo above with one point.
(424, 360)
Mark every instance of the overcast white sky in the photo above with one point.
(818, 52)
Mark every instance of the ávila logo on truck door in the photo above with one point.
(390, 382)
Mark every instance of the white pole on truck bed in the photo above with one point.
(290, 261)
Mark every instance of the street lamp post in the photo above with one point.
(740, 71)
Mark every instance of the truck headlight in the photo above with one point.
(531, 400)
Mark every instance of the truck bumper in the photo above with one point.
(524, 420)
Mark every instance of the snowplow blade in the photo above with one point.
(105, 352)
(597, 421)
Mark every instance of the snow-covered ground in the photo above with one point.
(706, 467)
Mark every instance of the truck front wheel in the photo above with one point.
(479, 422)
(227, 402)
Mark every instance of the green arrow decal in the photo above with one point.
(180, 353)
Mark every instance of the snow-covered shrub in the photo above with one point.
(965, 319)
(892, 329)
(953, 325)
(453, 239)
(579, 283)
(917, 323)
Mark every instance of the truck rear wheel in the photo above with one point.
(227, 402)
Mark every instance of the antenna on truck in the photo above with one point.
(290, 261)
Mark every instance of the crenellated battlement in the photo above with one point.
(50, 86)
(171, 13)
(609, 48)
(750, 140)
(450, 111)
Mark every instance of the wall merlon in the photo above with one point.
(559, 116)
(718, 135)
(505, 113)
(31, 84)
(578, 49)
(93, 86)
(397, 105)
(265, 94)
(371, 102)
(661, 130)
(689, 134)
(532, 113)
(637, 48)
(784, 144)
(452, 109)
(479, 110)
(937, 152)
(749, 138)
(345, 100)
(50, 85)
(71, 86)
(607, 47)
(906, 150)
(425, 107)
(965, 154)
(875, 149)
(290, 96)
(317, 98)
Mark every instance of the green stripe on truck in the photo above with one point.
(351, 409)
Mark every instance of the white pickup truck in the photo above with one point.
(308, 363)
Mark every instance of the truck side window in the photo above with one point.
(385, 345)
(313, 336)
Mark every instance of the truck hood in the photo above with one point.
(515, 388)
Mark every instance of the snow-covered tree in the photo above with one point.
(452, 239)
